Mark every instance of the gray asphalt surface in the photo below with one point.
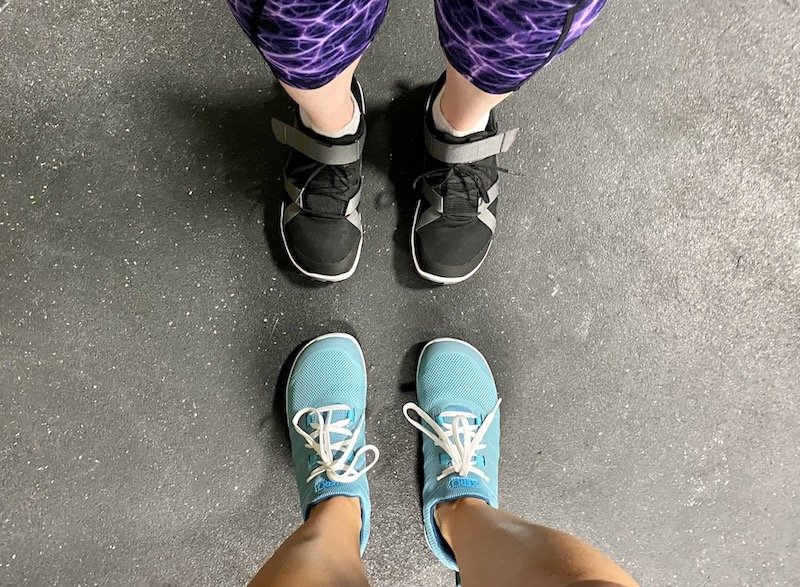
(640, 306)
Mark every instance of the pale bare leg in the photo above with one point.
(322, 552)
(496, 548)
(463, 105)
(329, 107)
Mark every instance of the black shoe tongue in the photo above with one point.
(460, 196)
(329, 192)
(461, 192)
(325, 204)
(459, 206)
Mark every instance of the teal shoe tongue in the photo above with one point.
(447, 420)
(458, 409)
(334, 416)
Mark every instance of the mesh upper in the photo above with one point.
(321, 240)
(325, 377)
(449, 375)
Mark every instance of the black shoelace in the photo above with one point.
(468, 182)
(327, 181)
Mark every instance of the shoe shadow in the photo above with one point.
(407, 374)
(401, 123)
(408, 387)
(236, 130)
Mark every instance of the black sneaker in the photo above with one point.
(320, 222)
(456, 215)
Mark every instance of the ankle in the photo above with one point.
(455, 121)
(448, 513)
(334, 122)
(340, 510)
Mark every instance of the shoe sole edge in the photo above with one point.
(441, 280)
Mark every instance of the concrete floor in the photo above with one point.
(640, 306)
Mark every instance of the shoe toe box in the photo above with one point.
(451, 249)
(329, 370)
(327, 246)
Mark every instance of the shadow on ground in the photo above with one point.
(237, 130)
(234, 128)
(279, 393)
(394, 136)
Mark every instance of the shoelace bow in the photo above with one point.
(332, 184)
(341, 468)
(458, 438)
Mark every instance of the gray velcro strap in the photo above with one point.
(296, 195)
(352, 205)
(469, 152)
(312, 148)
(484, 214)
(437, 202)
(492, 193)
(354, 218)
(488, 219)
(292, 190)
(428, 216)
(289, 212)
(434, 199)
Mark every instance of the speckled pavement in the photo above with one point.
(640, 306)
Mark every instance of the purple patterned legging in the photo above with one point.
(496, 44)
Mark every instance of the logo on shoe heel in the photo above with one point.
(457, 482)
(324, 484)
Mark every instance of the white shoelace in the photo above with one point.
(459, 438)
(340, 469)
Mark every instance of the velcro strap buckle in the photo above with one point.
(469, 152)
(314, 149)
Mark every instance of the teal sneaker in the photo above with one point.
(460, 425)
(326, 396)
